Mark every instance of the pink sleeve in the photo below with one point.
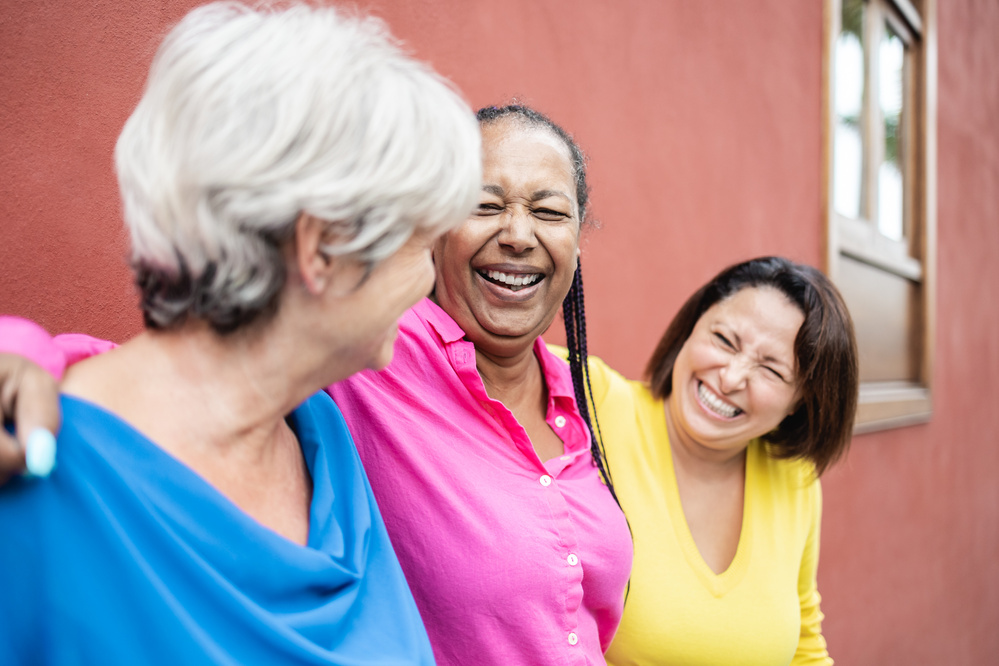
(79, 347)
(28, 339)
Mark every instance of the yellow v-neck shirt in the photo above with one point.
(764, 609)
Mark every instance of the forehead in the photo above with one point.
(522, 153)
(760, 314)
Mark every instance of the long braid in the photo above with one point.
(574, 315)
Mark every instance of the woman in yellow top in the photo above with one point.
(751, 395)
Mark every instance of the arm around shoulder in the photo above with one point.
(31, 362)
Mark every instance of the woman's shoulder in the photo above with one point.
(794, 477)
(604, 380)
(612, 390)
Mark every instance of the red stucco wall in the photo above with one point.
(703, 122)
(911, 530)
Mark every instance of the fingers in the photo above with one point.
(11, 457)
(30, 397)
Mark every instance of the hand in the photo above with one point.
(29, 397)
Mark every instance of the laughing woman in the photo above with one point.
(751, 395)
(484, 467)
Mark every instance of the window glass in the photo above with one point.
(848, 147)
(891, 61)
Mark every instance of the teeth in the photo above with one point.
(715, 404)
(513, 280)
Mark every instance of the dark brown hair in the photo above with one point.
(825, 351)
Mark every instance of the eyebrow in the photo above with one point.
(544, 194)
(536, 196)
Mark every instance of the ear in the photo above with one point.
(314, 265)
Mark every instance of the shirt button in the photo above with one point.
(546, 480)
(559, 421)
(565, 458)
(573, 638)
(572, 559)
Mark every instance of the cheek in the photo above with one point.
(563, 247)
(779, 401)
(568, 243)
(701, 356)
(427, 274)
(455, 249)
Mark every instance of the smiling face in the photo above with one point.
(503, 273)
(735, 376)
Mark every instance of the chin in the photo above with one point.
(381, 361)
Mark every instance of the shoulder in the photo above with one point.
(793, 480)
(320, 414)
(613, 392)
(603, 378)
(606, 377)
(91, 447)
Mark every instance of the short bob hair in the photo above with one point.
(825, 352)
(251, 117)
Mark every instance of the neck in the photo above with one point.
(694, 459)
(508, 374)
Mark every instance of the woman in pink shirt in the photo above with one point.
(488, 477)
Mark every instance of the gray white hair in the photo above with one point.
(251, 118)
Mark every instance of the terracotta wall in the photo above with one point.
(703, 124)
(911, 531)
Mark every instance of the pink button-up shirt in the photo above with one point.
(512, 561)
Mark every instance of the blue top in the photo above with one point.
(126, 556)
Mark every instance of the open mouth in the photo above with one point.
(716, 404)
(512, 281)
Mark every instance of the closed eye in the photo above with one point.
(725, 341)
(774, 373)
(489, 209)
(549, 214)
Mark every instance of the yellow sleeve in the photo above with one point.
(811, 645)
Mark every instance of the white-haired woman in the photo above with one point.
(284, 177)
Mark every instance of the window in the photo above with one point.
(881, 196)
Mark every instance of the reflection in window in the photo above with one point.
(890, 182)
(848, 147)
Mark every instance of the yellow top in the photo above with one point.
(764, 609)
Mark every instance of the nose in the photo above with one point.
(518, 232)
(734, 374)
